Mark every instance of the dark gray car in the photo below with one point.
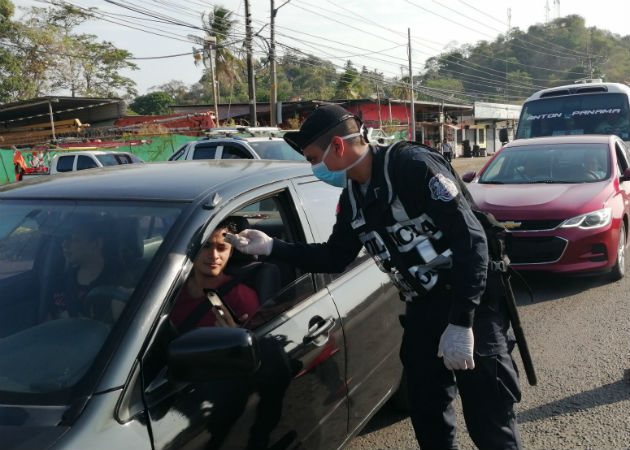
(307, 370)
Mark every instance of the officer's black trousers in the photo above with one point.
(488, 392)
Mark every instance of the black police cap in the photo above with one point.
(322, 120)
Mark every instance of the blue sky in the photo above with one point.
(371, 33)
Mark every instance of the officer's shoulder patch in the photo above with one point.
(442, 188)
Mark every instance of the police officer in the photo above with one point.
(403, 205)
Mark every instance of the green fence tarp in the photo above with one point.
(155, 149)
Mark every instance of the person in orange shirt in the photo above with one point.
(19, 164)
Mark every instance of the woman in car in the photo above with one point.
(93, 283)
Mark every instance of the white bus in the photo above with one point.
(584, 108)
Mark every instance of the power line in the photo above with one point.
(484, 34)
(165, 20)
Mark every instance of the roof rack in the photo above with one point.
(588, 80)
(252, 131)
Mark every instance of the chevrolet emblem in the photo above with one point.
(510, 225)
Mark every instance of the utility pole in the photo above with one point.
(556, 3)
(209, 41)
(507, 37)
(547, 12)
(413, 111)
(251, 80)
(272, 59)
(378, 107)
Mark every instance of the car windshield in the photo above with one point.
(558, 163)
(67, 272)
(276, 149)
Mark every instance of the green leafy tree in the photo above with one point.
(309, 77)
(154, 103)
(178, 90)
(348, 84)
(53, 58)
(6, 11)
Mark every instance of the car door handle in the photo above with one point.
(318, 327)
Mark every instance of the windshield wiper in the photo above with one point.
(544, 182)
(491, 182)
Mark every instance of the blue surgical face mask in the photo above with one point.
(335, 177)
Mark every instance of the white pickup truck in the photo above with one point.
(75, 160)
(89, 159)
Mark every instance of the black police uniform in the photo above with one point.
(419, 229)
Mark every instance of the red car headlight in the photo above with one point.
(595, 219)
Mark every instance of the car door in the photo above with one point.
(369, 307)
(298, 396)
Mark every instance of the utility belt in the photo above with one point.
(443, 287)
(444, 284)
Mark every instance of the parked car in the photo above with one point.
(564, 199)
(307, 370)
(90, 159)
(72, 161)
(239, 143)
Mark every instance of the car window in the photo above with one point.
(273, 216)
(108, 159)
(323, 201)
(123, 159)
(85, 162)
(622, 161)
(235, 152)
(276, 149)
(205, 151)
(46, 308)
(135, 158)
(179, 153)
(65, 163)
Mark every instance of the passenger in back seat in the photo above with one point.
(209, 273)
(93, 284)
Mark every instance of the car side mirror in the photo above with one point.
(626, 175)
(467, 177)
(212, 352)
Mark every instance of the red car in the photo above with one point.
(564, 200)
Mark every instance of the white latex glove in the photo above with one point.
(250, 242)
(456, 347)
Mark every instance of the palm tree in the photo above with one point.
(401, 89)
(220, 25)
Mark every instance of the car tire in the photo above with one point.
(400, 399)
(619, 269)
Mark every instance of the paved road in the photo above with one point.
(578, 335)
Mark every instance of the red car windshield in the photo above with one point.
(557, 163)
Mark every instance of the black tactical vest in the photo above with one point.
(405, 244)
